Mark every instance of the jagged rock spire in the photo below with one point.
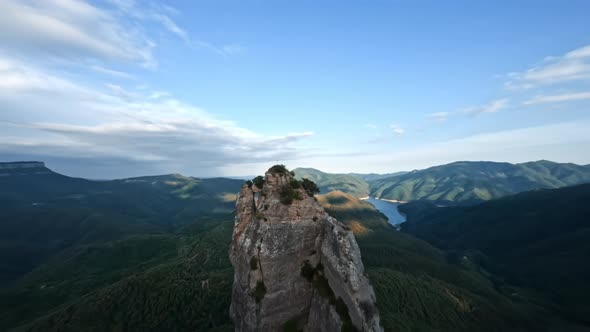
(296, 267)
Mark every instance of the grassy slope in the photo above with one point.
(361, 216)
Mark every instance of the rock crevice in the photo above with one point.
(313, 277)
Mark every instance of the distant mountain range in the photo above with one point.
(459, 182)
(352, 184)
(374, 176)
(44, 212)
(72, 250)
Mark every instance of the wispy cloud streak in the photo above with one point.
(566, 97)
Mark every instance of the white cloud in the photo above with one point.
(562, 142)
(16, 77)
(492, 107)
(76, 32)
(524, 144)
(71, 30)
(543, 99)
(56, 118)
(440, 116)
(397, 129)
(124, 5)
(573, 66)
(582, 52)
(232, 49)
(171, 26)
(111, 72)
(160, 14)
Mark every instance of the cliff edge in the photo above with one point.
(296, 267)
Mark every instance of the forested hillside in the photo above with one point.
(533, 245)
(456, 183)
(470, 182)
(419, 288)
(351, 184)
(151, 253)
(43, 212)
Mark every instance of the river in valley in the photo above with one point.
(389, 209)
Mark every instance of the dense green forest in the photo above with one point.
(420, 289)
(43, 213)
(151, 254)
(537, 240)
(146, 253)
(174, 282)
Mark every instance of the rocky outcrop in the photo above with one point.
(20, 168)
(296, 267)
(21, 165)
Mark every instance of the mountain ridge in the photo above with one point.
(478, 181)
(36, 205)
(328, 182)
(460, 182)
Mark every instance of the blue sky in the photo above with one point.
(121, 88)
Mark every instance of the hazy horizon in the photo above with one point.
(68, 172)
(113, 88)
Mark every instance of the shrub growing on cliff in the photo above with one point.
(295, 184)
(254, 263)
(288, 194)
(368, 308)
(259, 291)
(278, 169)
(310, 187)
(307, 271)
(322, 285)
(258, 181)
(342, 311)
(292, 325)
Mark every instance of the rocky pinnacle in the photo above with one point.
(296, 267)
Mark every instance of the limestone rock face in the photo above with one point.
(296, 267)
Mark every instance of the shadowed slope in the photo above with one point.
(538, 241)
